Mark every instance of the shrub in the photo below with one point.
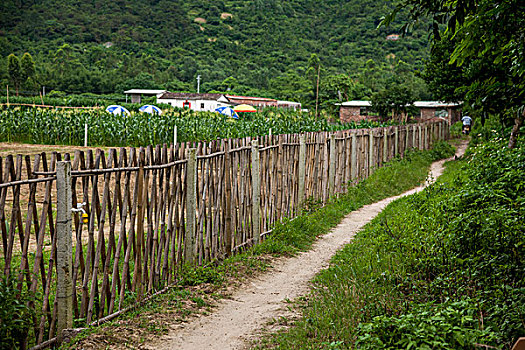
(15, 316)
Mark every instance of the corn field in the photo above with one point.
(66, 127)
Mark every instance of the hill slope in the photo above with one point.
(106, 46)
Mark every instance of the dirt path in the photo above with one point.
(238, 319)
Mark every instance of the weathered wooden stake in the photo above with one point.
(331, 167)
(396, 141)
(420, 137)
(385, 145)
(64, 250)
(370, 151)
(302, 169)
(353, 160)
(256, 193)
(191, 206)
(414, 128)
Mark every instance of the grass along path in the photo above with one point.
(238, 320)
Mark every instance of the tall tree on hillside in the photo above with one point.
(488, 36)
(27, 68)
(14, 71)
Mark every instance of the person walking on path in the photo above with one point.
(467, 124)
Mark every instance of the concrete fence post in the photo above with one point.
(256, 193)
(331, 167)
(228, 232)
(64, 250)
(353, 159)
(302, 170)
(85, 135)
(191, 206)
(370, 151)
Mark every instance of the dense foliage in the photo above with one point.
(477, 54)
(440, 269)
(245, 47)
(48, 126)
(15, 315)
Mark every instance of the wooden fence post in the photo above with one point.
(353, 160)
(370, 151)
(256, 193)
(302, 169)
(385, 145)
(64, 249)
(426, 136)
(419, 137)
(331, 167)
(191, 206)
(396, 140)
(228, 233)
(414, 128)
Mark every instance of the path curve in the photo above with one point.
(237, 319)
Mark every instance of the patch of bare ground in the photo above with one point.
(171, 311)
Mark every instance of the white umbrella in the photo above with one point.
(116, 109)
(151, 109)
(227, 111)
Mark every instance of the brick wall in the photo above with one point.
(351, 114)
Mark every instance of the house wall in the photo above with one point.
(195, 105)
(351, 114)
(427, 113)
(135, 98)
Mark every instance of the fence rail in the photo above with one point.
(151, 210)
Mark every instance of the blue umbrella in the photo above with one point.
(116, 109)
(151, 109)
(227, 111)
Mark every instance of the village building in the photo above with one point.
(194, 101)
(210, 101)
(428, 111)
(137, 93)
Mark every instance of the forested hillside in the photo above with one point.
(248, 47)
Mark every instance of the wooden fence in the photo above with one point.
(151, 210)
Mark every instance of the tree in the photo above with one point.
(27, 68)
(14, 71)
(393, 103)
(486, 38)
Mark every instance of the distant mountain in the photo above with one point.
(241, 46)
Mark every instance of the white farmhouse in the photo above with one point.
(194, 101)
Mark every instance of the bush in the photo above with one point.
(451, 325)
(15, 316)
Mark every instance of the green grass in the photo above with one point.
(442, 269)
